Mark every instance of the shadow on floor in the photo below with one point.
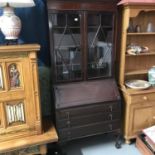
(74, 147)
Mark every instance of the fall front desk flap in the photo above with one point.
(87, 92)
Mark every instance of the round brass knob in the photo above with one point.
(145, 98)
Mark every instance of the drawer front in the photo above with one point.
(143, 98)
(88, 119)
(87, 110)
(88, 130)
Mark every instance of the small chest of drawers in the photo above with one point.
(90, 108)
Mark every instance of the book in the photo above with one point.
(150, 144)
(150, 133)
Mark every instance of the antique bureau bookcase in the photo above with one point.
(82, 43)
(19, 93)
(139, 105)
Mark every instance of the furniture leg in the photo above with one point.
(43, 149)
(127, 141)
(118, 141)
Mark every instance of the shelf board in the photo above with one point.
(136, 72)
(141, 54)
(141, 33)
(48, 136)
(134, 91)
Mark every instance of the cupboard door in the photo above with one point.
(66, 37)
(142, 117)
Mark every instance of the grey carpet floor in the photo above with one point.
(99, 145)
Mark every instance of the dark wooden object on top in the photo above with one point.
(82, 42)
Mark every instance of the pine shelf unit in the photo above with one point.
(138, 104)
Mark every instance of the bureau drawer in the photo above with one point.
(87, 110)
(88, 130)
(88, 119)
(143, 98)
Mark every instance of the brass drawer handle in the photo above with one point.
(145, 98)
(68, 124)
(110, 116)
(110, 107)
(68, 115)
(110, 126)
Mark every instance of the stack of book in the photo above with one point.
(149, 137)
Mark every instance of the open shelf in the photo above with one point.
(136, 72)
(140, 34)
(134, 91)
(141, 54)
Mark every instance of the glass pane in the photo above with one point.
(14, 76)
(15, 112)
(100, 32)
(67, 46)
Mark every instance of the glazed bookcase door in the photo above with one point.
(100, 44)
(65, 29)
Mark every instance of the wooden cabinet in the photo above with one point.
(139, 104)
(19, 93)
(82, 41)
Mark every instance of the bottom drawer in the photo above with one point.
(88, 130)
